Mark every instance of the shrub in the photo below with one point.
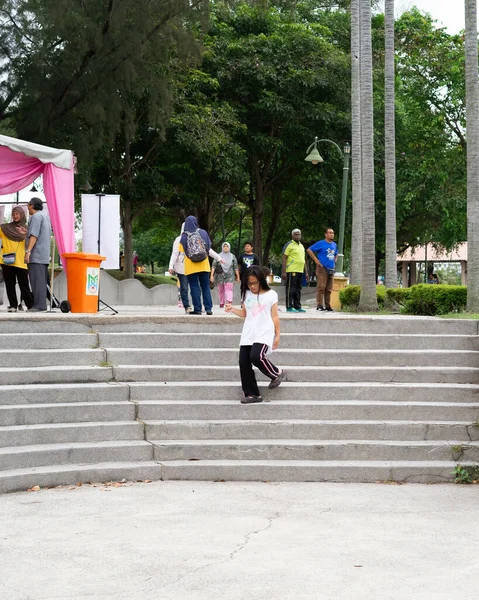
(349, 296)
(398, 295)
(426, 299)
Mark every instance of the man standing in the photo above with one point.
(37, 254)
(294, 265)
(325, 254)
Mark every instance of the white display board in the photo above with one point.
(101, 220)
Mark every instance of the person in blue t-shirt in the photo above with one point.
(325, 254)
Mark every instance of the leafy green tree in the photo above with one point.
(286, 80)
(69, 67)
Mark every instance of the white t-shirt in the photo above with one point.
(258, 327)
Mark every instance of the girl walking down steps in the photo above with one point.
(261, 333)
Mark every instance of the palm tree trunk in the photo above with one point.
(367, 300)
(472, 123)
(390, 150)
(356, 234)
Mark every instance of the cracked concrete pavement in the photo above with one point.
(248, 541)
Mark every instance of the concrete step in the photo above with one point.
(63, 392)
(311, 429)
(307, 410)
(325, 357)
(333, 341)
(307, 391)
(334, 323)
(48, 357)
(22, 479)
(310, 470)
(31, 435)
(296, 374)
(37, 341)
(80, 412)
(44, 324)
(54, 374)
(44, 455)
(318, 450)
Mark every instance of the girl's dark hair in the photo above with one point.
(253, 271)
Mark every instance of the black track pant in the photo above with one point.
(255, 355)
(11, 275)
(293, 290)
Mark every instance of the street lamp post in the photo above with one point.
(228, 204)
(314, 157)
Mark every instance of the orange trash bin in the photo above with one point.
(83, 281)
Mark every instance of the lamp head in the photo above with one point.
(314, 157)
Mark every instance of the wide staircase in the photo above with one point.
(105, 398)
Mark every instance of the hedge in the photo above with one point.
(427, 299)
(349, 296)
(398, 295)
(422, 299)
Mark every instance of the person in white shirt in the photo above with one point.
(177, 265)
(261, 333)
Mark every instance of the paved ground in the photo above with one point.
(241, 541)
(174, 311)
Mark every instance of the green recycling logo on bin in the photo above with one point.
(92, 281)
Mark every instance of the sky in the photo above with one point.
(448, 12)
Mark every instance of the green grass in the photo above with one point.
(460, 316)
(147, 279)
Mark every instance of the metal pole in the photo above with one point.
(342, 218)
(52, 272)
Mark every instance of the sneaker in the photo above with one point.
(292, 310)
(329, 309)
(300, 310)
(319, 307)
(222, 305)
(209, 312)
(20, 307)
(276, 382)
(193, 312)
(251, 399)
(11, 309)
(188, 309)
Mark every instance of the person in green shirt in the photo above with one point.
(294, 265)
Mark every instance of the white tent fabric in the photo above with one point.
(60, 158)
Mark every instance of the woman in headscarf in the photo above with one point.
(12, 259)
(224, 274)
(198, 271)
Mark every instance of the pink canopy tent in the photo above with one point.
(22, 162)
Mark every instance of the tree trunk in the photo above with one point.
(152, 265)
(258, 212)
(356, 234)
(367, 300)
(128, 237)
(472, 123)
(390, 149)
(277, 196)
